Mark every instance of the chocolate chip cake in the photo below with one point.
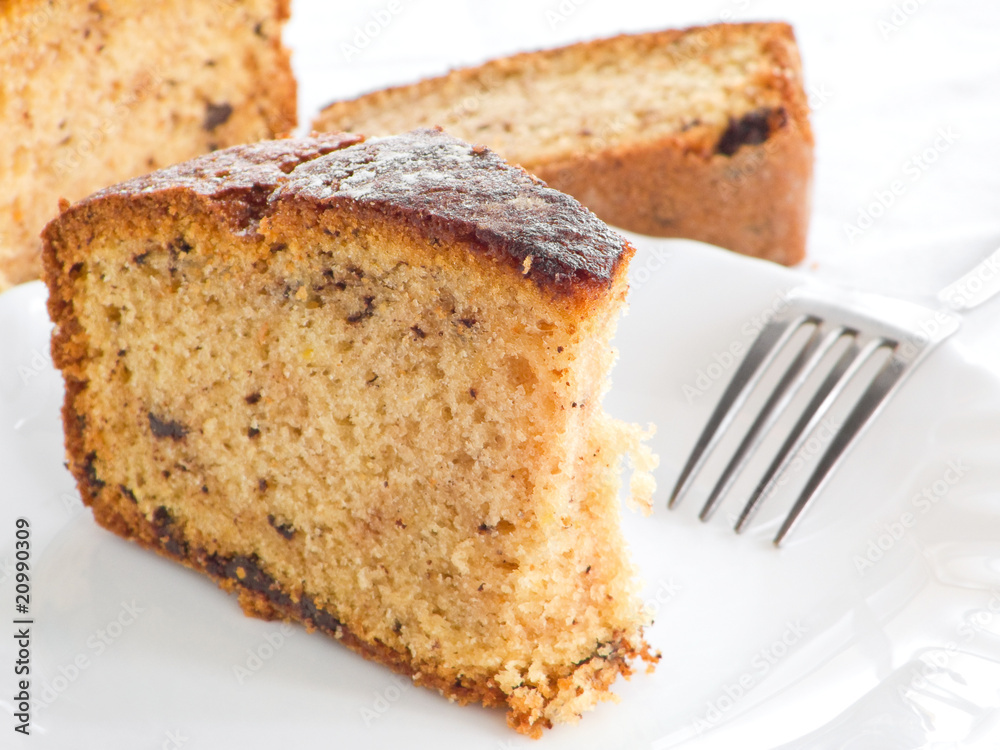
(359, 384)
(701, 133)
(94, 92)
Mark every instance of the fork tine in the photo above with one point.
(808, 359)
(867, 407)
(843, 371)
(763, 351)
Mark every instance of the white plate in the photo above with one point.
(760, 647)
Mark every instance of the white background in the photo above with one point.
(904, 653)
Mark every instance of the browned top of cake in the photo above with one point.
(448, 190)
(238, 180)
(440, 186)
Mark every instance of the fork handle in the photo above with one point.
(975, 287)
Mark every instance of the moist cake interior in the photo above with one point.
(360, 423)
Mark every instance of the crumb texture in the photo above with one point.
(355, 420)
(701, 133)
(92, 93)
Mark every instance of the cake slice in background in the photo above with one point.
(359, 383)
(701, 133)
(94, 92)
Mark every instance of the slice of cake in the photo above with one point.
(94, 92)
(359, 383)
(702, 133)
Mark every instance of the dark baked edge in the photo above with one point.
(484, 203)
(260, 596)
(496, 209)
(756, 202)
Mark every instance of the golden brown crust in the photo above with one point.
(755, 202)
(745, 187)
(233, 191)
(452, 192)
(235, 183)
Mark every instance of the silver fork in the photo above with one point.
(870, 324)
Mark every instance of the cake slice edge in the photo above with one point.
(242, 206)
